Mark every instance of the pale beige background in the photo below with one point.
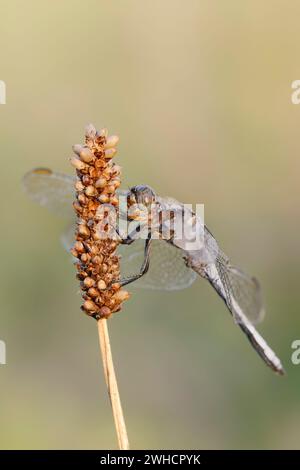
(200, 94)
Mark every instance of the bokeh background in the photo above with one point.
(200, 95)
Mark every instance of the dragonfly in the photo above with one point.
(166, 263)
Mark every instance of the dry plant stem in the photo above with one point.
(112, 385)
(98, 267)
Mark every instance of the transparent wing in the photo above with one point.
(240, 292)
(52, 190)
(241, 289)
(246, 292)
(167, 268)
(68, 236)
(243, 301)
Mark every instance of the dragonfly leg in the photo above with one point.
(144, 267)
(130, 237)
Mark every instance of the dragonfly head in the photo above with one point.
(142, 194)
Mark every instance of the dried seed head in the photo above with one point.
(88, 282)
(103, 133)
(83, 231)
(110, 153)
(86, 155)
(114, 201)
(101, 183)
(78, 164)
(116, 286)
(105, 312)
(111, 141)
(79, 247)
(110, 189)
(81, 198)
(85, 258)
(86, 180)
(77, 206)
(104, 268)
(101, 285)
(93, 249)
(103, 198)
(74, 252)
(77, 149)
(96, 236)
(90, 190)
(117, 169)
(97, 259)
(98, 265)
(79, 186)
(81, 274)
(92, 292)
(90, 307)
(116, 183)
(121, 295)
(90, 131)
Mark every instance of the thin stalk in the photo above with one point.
(112, 385)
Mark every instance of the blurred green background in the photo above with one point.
(200, 94)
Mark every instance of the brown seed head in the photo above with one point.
(91, 190)
(88, 282)
(98, 264)
(79, 247)
(83, 231)
(121, 295)
(101, 285)
(101, 183)
(86, 155)
(111, 141)
(78, 164)
(110, 153)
